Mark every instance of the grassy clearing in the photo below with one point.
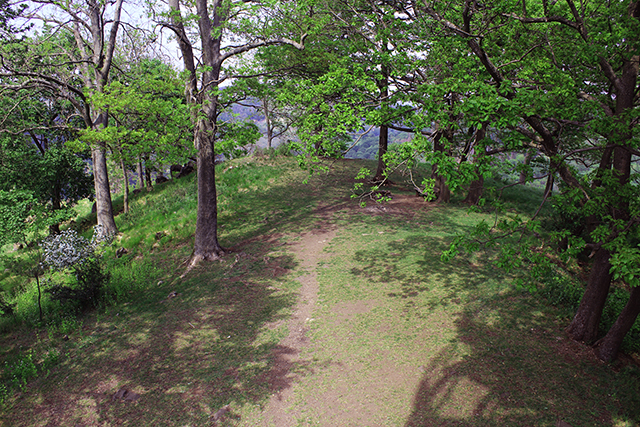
(397, 338)
(402, 339)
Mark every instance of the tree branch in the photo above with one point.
(250, 46)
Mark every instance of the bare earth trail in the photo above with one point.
(316, 383)
(308, 251)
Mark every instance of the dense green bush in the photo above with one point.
(86, 291)
(74, 254)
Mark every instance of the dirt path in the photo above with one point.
(309, 251)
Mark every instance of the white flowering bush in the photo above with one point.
(81, 257)
(68, 248)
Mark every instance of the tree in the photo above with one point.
(40, 178)
(73, 57)
(214, 21)
(570, 104)
(149, 118)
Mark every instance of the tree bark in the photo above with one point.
(140, 175)
(104, 207)
(210, 27)
(475, 191)
(584, 326)
(527, 161)
(607, 348)
(383, 139)
(383, 145)
(101, 58)
(147, 174)
(56, 205)
(125, 176)
(206, 245)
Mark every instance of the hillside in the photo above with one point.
(323, 313)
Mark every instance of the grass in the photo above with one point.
(397, 337)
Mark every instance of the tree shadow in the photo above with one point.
(532, 375)
(188, 349)
(510, 363)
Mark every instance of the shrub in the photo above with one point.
(6, 309)
(90, 278)
(71, 252)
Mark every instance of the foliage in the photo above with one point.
(149, 117)
(90, 279)
(68, 251)
(235, 137)
(38, 188)
(6, 309)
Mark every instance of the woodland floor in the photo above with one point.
(350, 319)
(398, 386)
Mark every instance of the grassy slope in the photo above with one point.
(425, 343)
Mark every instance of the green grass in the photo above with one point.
(397, 337)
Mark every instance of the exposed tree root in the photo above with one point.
(197, 258)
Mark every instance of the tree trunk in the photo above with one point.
(125, 175)
(548, 188)
(383, 139)
(383, 144)
(56, 205)
(206, 245)
(267, 118)
(607, 348)
(475, 191)
(140, 175)
(147, 175)
(527, 161)
(584, 326)
(104, 209)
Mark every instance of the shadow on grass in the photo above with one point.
(527, 376)
(511, 363)
(187, 349)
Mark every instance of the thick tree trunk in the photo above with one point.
(206, 245)
(383, 144)
(475, 191)
(584, 326)
(104, 209)
(608, 347)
